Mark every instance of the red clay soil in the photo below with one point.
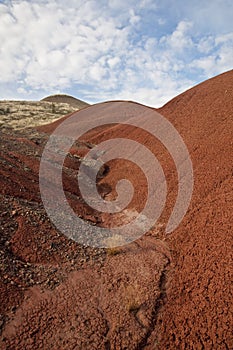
(160, 292)
(56, 293)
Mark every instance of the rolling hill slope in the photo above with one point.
(163, 291)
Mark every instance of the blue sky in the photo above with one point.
(142, 50)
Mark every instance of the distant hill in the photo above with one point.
(165, 291)
(21, 114)
(61, 98)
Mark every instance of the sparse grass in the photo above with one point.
(21, 114)
(113, 251)
(132, 299)
(4, 111)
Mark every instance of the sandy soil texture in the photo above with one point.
(160, 292)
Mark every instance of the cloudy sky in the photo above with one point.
(143, 50)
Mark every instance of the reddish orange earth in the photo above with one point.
(160, 292)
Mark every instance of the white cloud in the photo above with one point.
(151, 4)
(180, 38)
(206, 44)
(113, 62)
(221, 57)
(134, 19)
(208, 17)
(225, 38)
(96, 49)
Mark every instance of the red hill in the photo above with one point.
(163, 291)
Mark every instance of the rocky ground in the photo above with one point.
(160, 292)
(21, 114)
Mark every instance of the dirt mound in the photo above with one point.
(161, 292)
(72, 101)
(198, 310)
(54, 292)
